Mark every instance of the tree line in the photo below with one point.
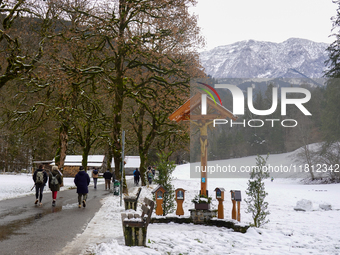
(74, 74)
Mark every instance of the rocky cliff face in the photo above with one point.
(293, 58)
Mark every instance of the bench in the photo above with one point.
(135, 225)
(131, 201)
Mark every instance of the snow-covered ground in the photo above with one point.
(22, 185)
(289, 232)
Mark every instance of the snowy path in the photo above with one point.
(289, 232)
(108, 219)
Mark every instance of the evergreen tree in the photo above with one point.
(165, 169)
(331, 104)
(333, 70)
(257, 194)
(331, 116)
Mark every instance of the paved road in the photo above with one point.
(28, 229)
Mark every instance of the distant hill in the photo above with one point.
(293, 58)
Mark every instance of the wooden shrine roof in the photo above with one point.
(184, 112)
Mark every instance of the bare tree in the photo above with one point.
(139, 37)
(23, 30)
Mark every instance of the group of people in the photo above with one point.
(150, 174)
(81, 180)
(40, 179)
(55, 180)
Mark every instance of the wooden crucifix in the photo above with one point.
(213, 111)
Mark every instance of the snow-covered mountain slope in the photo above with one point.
(293, 58)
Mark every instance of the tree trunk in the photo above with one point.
(142, 168)
(86, 151)
(309, 161)
(63, 138)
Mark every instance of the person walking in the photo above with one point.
(107, 176)
(82, 181)
(150, 175)
(95, 174)
(40, 179)
(136, 175)
(54, 182)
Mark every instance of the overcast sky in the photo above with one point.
(228, 21)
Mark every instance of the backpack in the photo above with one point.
(39, 178)
(54, 180)
(95, 171)
(150, 175)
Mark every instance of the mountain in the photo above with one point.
(293, 58)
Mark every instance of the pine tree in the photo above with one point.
(165, 169)
(257, 194)
(330, 115)
(333, 50)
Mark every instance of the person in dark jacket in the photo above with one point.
(82, 181)
(40, 180)
(55, 186)
(107, 176)
(136, 175)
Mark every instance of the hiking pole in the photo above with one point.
(33, 187)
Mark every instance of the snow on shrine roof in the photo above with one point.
(75, 160)
(158, 187)
(131, 162)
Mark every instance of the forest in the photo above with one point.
(74, 74)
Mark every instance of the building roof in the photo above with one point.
(98, 160)
(131, 162)
(75, 160)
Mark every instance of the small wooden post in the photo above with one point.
(220, 198)
(236, 197)
(179, 200)
(233, 212)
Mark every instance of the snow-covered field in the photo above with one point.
(289, 232)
